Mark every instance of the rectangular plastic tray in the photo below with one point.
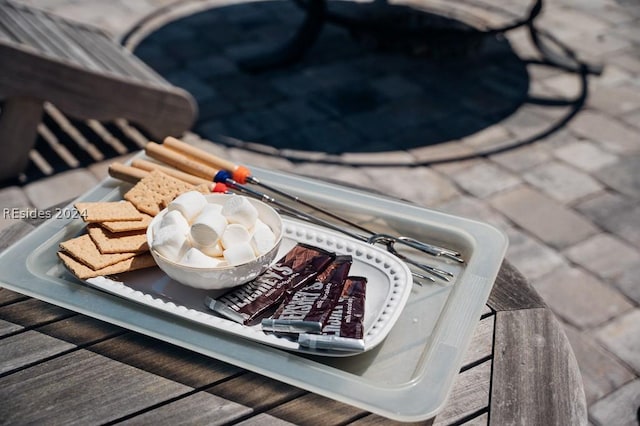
(407, 377)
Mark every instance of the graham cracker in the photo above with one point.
(84, 250)
(129, 225)
(108, 211)
(121, 242)
(82, 271)
(153, 192)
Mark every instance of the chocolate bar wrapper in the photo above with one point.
(307, 309)
(344, 329)
(247, 303)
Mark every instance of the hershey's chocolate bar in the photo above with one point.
(249, 302)
(308, 308)
(344, 329)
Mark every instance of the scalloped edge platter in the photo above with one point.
(388, 288)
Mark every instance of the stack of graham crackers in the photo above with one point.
(115, 240)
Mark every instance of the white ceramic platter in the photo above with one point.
(388, 288)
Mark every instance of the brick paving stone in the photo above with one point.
(615, 213)
(616, 100)
(489, 137)
(385, 158)
(211, 66)
(612, 135)
(473, 208)
(525, 122)
(629, 283)
(562, 182)
(521, 159)
(433, 188)
(396, 86)
(543, 217)
(564, 84)
(632, 118)
(580, 298)
(532, 258)
(11, 197)
(485, 179)
(433, 154)
(622, 337)
(340, 174)
(585, 155)
(61, 187)
(623, 176)
(604, 256)
(596, 46)
(620, 408)
(601, 372)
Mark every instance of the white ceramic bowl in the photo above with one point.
(225, 276)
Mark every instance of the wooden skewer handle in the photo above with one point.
(186, 177)
(179, 161)
(126, 173)
(202, 156)
(240, 173)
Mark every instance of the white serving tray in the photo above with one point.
(406, 377)
(388, 288)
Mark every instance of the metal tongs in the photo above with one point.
(200, 163)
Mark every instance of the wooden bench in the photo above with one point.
(84, 73)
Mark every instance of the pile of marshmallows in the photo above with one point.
(196, 233)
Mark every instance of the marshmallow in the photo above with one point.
(170, 242)
(196, 258)
(189, 204)
(234, 234)
(213, 250)
(239, 253)
(174, 217)
(208, 227)
(263, 238)
(240, 210)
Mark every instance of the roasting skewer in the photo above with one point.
(133, 174)
(241, 174)
(186, 162)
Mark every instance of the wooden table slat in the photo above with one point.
(81, 388)
(9, 296)
(7, 327)
(532, 362)
(81, 330)
(264, 420)
(470, 394)
(312, 409)
(264, 393)
(481, 345)
(33, 312)
(200, 408)
(28, 348)
(511, 291)
(166, 360)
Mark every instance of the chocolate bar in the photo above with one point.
(308, 308)
(249, 302)
(344, 329)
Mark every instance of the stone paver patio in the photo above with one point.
(570, 202)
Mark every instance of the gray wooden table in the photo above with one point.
(60, 367)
